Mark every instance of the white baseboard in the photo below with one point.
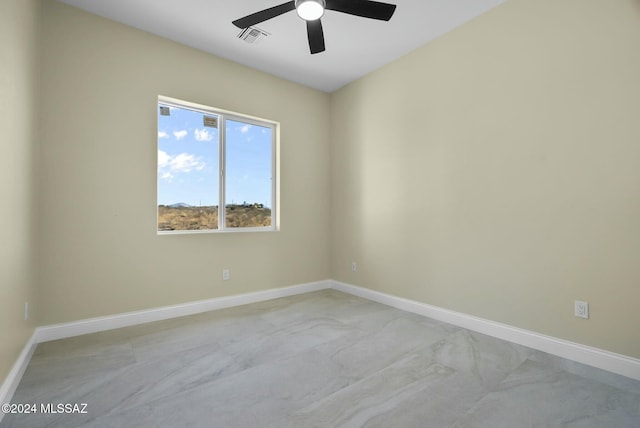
(8, 387)
(605, 360)
(609, 361)
(94, 325)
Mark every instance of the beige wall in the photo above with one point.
(18, 140)
(496, 171)
(100, 251)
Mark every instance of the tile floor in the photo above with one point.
(323, 359)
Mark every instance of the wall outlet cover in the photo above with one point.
(581, 309)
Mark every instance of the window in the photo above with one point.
(210, 158)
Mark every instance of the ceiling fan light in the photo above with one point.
(310, 10)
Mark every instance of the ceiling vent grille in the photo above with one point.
(252, 35)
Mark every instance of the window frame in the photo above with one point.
(225, 115)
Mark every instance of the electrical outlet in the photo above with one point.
(226, 274)
(26, 311)
(354, 266)
(581, 309)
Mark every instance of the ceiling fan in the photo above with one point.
(312, 10)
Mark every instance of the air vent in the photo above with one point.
(253, 35)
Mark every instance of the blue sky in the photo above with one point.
(188, 161)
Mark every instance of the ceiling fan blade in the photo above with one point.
(316, 36)
(263, 15)
(364, 8)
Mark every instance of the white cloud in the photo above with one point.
(180, 134)
(163, 159)
(169, 166)
(245, 129)
(185, 162)
(202, 135)
(162, 134)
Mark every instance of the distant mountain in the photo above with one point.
(180, 205)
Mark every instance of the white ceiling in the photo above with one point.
(354, 46)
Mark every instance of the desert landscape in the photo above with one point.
(186, 217)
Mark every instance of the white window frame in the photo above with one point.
(275, 166)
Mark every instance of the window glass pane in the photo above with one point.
(248, 185)
(188, 170)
